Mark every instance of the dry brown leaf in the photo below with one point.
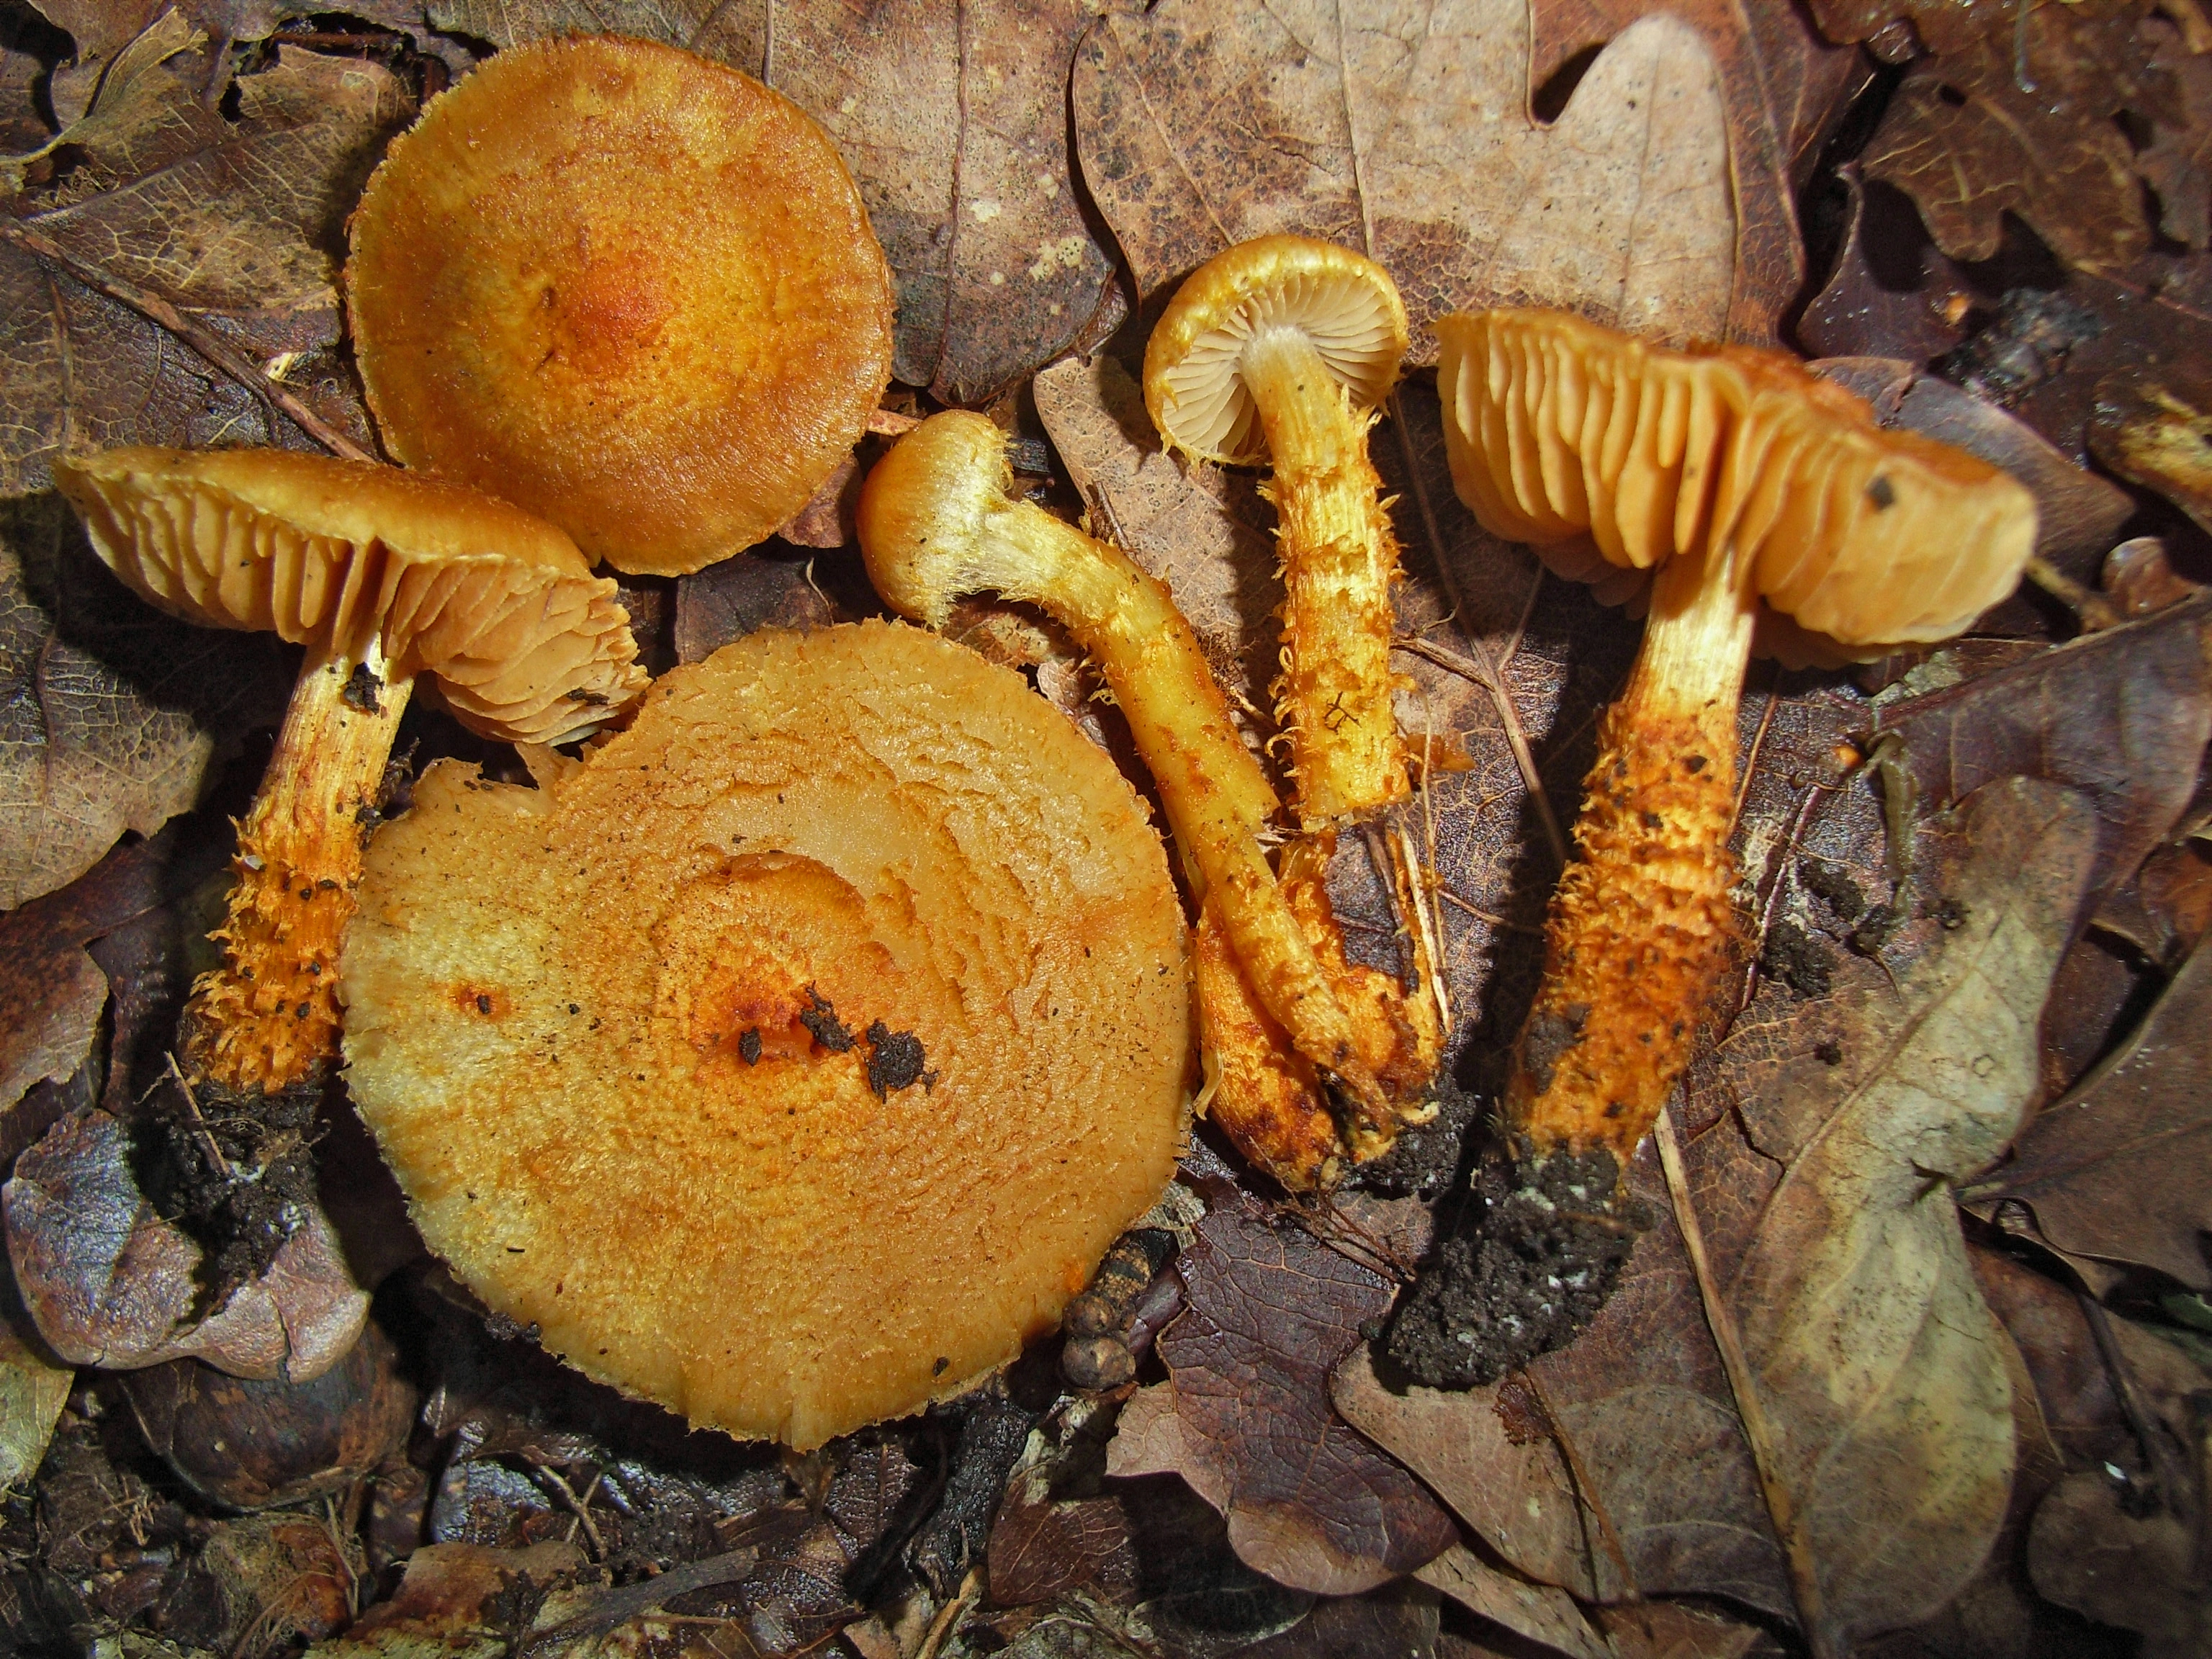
(2141, 1572)
(175, 212)
(1405, 132)
(2014, 113)
(1536, 1613)
(112, 1284)
(113, 714)
(954, 123)
(1244, 1418)
(35, 1386)
(1881, 1372)
(2117, 1170)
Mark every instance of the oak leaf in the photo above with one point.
(111, 715)
(1245, 1419)
(2115, 1171)
(1405, 132)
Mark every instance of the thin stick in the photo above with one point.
(971, 1588)
(1585, 1493)
(2172, 1481)
(581, 1505)
(1477, 669)
(1431, 946)
(1516, 737)
(1751, 761)
(218, 352)
(2092, 609)
(1482, 914)
(214, 1151)
(1781, 1507)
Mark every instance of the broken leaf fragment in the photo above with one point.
(637, 1043)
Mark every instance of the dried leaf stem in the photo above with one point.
(219, 353)
(1743, 1383)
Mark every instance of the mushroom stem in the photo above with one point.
(1339, 563)
(269, 1017)
(936, 524)
(1641, 925)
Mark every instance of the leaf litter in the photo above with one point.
(175, 191)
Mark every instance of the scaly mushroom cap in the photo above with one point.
(632, 290)
(496, 606)
(1554, 426)
(797, 1057)
(1343, 302)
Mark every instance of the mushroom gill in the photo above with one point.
(796, 1056)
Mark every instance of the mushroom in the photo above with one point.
(797, 1055)
(1737, 478)
(384, 576)
(630, 289)
(1280, 350)
(937, 522)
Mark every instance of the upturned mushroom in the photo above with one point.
(797, 1055)
(631, 291)
(1280, 351)
(1740, 480)
(385, 578)
(1284, 1014)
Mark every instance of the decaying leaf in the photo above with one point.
(175, 210)
(1405, 133)
(459, 1601)
(2014, 112)
(1245, 1419)
(1881, 1373)
(2115, 1171)
(2141, 1572)
(954, 123)
(110, 1284)
(2122, 716)
(1537, 1612)
(2154, 427)
(112, 712)
(35, 1386)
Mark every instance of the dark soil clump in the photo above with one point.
(1548, 1240)
(235, 1171)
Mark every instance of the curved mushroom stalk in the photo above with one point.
(937, 523)
(1737, 478)
(1278, 351)
(269, 1013)
(382, 576)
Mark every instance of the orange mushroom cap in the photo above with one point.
(634, 291)
(497, 607)
(1555, 426)
(795, 1057)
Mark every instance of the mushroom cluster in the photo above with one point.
(798, 1054)
(630, 289)
(1741, 481)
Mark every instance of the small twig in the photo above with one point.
(1770, 900)
(1482, 914)
(2092, 609)
(971, 1589)
(1431, 942)
(218, 352)
(221, 1163)
(1751, 761)
(1480, 671)
(1517, 739)
(1781, 1507)
(580, 1505)
(2165, 1468)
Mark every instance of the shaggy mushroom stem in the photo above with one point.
(1277, 350)
(1339, 563)
(268, 1015)
(1640, 925)
(937, 523)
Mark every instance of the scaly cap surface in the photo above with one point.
(796, 1057)
(634, 291)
